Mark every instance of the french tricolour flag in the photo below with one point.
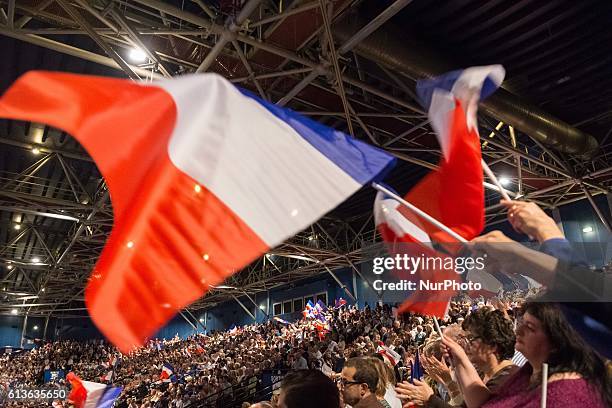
(389, 355)
(86, 394)
(453, 193)
(167, 372)
(203, 179)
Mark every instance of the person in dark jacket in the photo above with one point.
(358, 381)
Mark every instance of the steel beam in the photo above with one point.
(373, 25)
(245, 308)
(135, 36)
(75, 52)
(94, 36)
(602, 217)
(285, 14)
(228, 34)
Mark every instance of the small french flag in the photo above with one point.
(86, 394)
(167, 372)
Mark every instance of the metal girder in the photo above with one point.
(135, 36)
(96, 37)
(376, 22)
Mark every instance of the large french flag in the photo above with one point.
(203, 179)
(86, 394)
(453, 193)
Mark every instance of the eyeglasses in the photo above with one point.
(471, 339)
(344, 382)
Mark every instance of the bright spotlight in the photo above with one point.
(14, 311)
(35, 327)
(17, 227)
(504, 181)
(137, 55)
(35, 260)
(36, 150)
(587, 229)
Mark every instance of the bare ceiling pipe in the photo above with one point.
(392, 48)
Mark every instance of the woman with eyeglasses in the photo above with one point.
(577, 375)
(488, 341)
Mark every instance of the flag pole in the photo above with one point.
(420, 212)
(438, 327)
(544, 385)
(494, 179)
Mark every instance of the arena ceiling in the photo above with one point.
(548, 134)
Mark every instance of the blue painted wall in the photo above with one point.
(10, 330)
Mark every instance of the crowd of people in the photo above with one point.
(496, 353)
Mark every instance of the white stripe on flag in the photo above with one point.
(401, 225)
(261, 168)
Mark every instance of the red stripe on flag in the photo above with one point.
(454, 193)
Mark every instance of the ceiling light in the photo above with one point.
(36, 150)
(35, 327)
(17, 226)
(504, 181)
(201, 320)
(13, 311)
(9, 267)
(36, 260)
(42, 290)
(137, 55)
(587, 229)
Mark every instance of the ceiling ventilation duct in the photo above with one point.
(392, 49)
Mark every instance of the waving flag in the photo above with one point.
(453, 193)
(281, 321)
(389, 355)
(339, 303)
(167, 372)
(86, 394)
(108, 377)
(203, 179)
(322, 306)
(416, 372)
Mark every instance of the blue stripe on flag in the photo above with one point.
(358, 159)
(425, 87)
(109, 397)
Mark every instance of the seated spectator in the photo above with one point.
(308, 388)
